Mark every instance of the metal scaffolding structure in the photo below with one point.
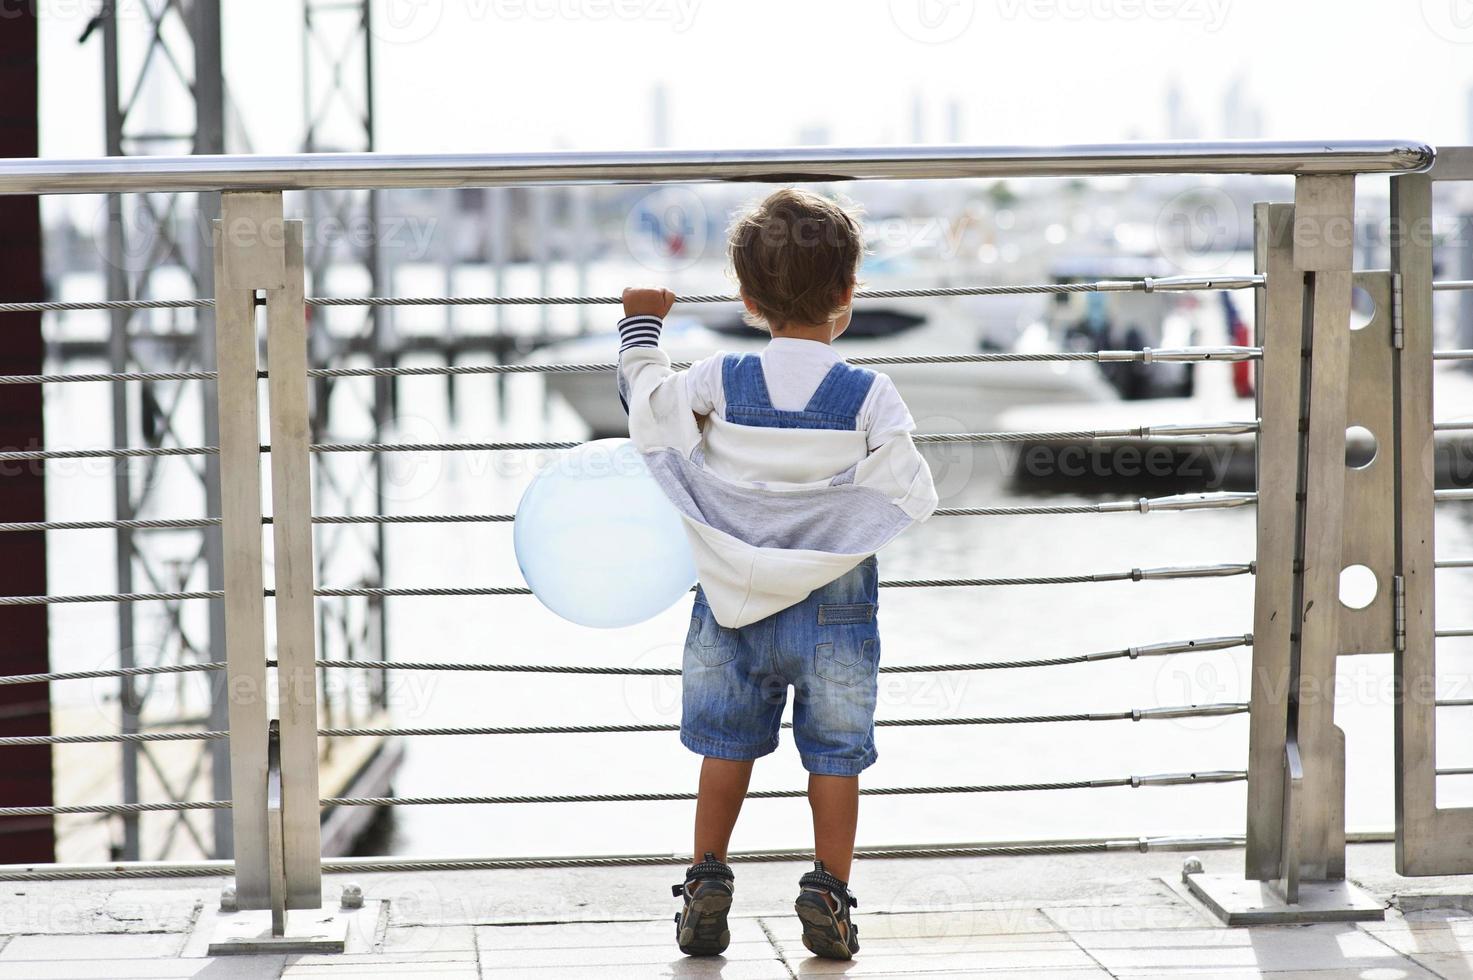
(338, 106)
(165, 94)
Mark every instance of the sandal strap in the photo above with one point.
(709, 868)
(821, 879)
(706, 869)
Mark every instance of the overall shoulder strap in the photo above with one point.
(842, 391)
(742, 381)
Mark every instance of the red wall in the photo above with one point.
(25, 772)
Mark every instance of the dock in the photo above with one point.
(1054, 917)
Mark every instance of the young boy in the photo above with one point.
(790, 468)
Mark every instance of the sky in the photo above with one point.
(521, 75)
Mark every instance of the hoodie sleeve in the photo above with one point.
(641, 330)
(654, 394)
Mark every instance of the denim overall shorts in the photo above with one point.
(826, 648)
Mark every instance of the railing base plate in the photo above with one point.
(1241, 902)
(324, 930)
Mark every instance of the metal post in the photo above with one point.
(1465, 271)
(1323, 236)
(117, 285)
(244, 263)
(291, 510)
(209, 137)
(1312, 518)
(1278, 323)
(1428, 840)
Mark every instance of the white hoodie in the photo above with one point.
(762, 546)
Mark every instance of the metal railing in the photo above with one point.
(1307, 375)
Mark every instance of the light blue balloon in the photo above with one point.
(597, 540)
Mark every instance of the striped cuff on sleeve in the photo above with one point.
(642, 330)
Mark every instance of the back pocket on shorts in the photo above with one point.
(712, 643)
(850, 661)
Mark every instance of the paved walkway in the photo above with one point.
(1088, 917)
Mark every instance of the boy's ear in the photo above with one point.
(747, 302)
(846, 296)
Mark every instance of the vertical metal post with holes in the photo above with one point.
(1316, 515)
(1429, 839)
(273, 762)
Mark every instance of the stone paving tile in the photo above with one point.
(1413, 941)
(1252, 973)
(909, 946)
(961, 969)
(706, 968)
(97, 946)
(368, 959)
(34, 908)
(872, 961)
(600, 935)
(1269, 948)
(1100, 918)
(428, 939)
(946, 923)
(434, 969)
(615, 955)
(197, 968)
(1449, 966)
(1041, 952)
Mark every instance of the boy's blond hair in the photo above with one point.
(795, 255)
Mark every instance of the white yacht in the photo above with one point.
(942, 397)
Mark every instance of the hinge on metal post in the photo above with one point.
(1399, 625)
(1398, 331)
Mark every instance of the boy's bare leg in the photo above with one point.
(835, 803)
(718, 801)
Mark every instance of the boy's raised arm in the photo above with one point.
(644, 312)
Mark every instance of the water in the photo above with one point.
(918, 625)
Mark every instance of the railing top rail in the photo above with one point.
(317, 171)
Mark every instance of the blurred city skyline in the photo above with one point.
(520, 75)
